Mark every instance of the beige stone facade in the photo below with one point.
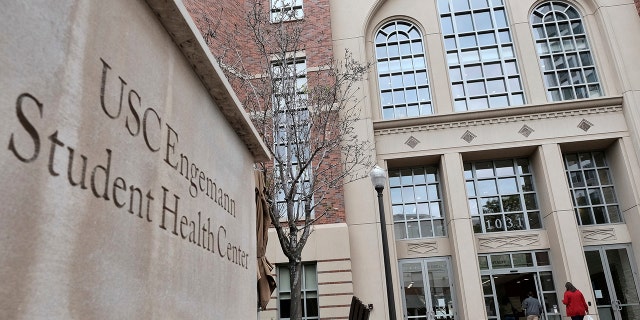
(541, 131)
(555, 129)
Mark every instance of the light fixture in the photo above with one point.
(379, 179)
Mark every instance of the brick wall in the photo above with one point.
(217, 20)
(224, 22)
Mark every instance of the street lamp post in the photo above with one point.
(379, 178)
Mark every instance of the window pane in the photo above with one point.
(530, 201)
(483, 21)
(526, 183)
(522, 260)
(546, 281)
(417, 208)
(285, 308)
(476, 32)
(413, 68)
(535, 221)
(439, 228)
(501, 19)
(399, 230)
(310, 276)
(507, 185)
(426, 228)
(515, 221)
(311, 304)
(502, 204)
(542, 258)
(500, 261)
(556, 25)
(484, 169)
(504, 168)
(511, 203)
(486, 187)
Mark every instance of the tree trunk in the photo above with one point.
(295, 273)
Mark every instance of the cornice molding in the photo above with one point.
(495, 116)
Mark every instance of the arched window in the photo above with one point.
(402, 71)
(565, 56)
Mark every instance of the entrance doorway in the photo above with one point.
(427, 289)
(614, 282)
(507, 278)
(511, 290)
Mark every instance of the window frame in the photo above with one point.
(399, 185)
(567, 64)
(476, 182)
(286, 10)
(481, 55)
(285, 116)
(402, 71)
(603, 168)
(304, 290)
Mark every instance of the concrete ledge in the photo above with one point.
(176, 20)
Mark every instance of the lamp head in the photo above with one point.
(378, 177)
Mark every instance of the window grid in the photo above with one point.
(291, 127)
(308, 288)
(402, 71)
(592, 190)
(563, 49)
(502, 196)
(480, 54)
(416, 203)
(286, 10)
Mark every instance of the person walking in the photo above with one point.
(574, 300)
(532, 307)
(507, 311)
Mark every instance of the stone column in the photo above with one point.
(464, 253)
(559, 219)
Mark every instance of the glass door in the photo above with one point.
(614, 280)
(507, 279)
(427, 289)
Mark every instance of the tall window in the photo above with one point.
(309, 290)
(502, 196)
(594, 197)
(402, 71)
(286, 10)
(416, 202)
(480, 54)
(291, 131)
(565, 57)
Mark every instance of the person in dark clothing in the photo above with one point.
(532, 307)
(507, 311)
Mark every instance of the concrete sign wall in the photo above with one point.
(126, 181)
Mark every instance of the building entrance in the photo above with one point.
(507, 278)
(511, 290)
(427, 289)
(614, 281)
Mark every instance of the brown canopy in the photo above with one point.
(266, 283)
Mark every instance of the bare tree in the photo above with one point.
(306, 115)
